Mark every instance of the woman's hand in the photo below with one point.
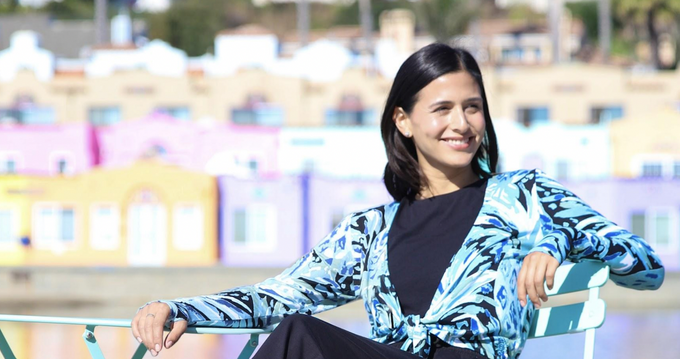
(148, 323)
(537, 268)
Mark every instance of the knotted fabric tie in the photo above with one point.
(416, 335)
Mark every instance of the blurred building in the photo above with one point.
(261, 221)
(564, 152)
(208, 147)
(332, 152)
(148, 214)
(649, 207)
(647, 146)
(47, 150)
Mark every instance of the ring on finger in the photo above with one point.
(151, 315)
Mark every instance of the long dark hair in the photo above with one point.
(403, 177)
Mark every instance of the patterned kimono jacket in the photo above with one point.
(476, 304)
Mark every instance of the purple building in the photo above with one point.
(649, 208)
(273, 222)
(260, 221)
(331, 199)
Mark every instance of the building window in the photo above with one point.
(188, 229)
(104, 115)
(529, 116)
(652, 170)
(337, 215)
(638, 224)
(350, 112)
(257, 111)
(28, 115)
(53, 225)
(255, 227)
(239, 226)
(659, 227)
(513, 55)
(104, 227)
(605, 114)
(61, 163)
(562, 170)
(10, 162)
(263, 116)
(10, 166)
(62, 166)
(178, 112)
(349, 117)
(8, 226)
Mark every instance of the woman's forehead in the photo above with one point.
(459, 85)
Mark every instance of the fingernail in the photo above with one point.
(168, 344)
(153, 352)
(139, 339)
(158, 347)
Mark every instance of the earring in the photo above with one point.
(407, 134)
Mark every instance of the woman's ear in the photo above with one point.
(402, 121)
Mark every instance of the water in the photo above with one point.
(625, 335)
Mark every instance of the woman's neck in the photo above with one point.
(441, 183)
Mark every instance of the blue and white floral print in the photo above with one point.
(475, 305)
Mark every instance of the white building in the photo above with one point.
(564, 152)
(341, 152)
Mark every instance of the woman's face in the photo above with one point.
(446, 123)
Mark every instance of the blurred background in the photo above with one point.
(158, 149)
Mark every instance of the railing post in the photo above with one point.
(250, 347)
(4, 348)
(91, 342)
(141, 350)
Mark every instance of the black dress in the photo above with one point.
(424, 237)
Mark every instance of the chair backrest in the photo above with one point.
(577, 317)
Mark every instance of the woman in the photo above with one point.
(466, 247)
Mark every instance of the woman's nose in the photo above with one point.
(458, 120)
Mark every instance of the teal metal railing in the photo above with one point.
(91, 340)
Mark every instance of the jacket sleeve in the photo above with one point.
(327, 277)
(576, 232)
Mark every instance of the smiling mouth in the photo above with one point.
(457, 142)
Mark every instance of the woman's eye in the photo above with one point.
(473, 108)
(441, 109)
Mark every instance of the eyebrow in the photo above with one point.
(445, 102)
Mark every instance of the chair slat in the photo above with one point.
(567, 319)
(578, 277)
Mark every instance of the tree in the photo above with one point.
(651, 14)
(447, 18)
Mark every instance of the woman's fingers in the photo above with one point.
(148, 332)
(537, 269)
(134, 326)
(148, 325)
(177, 329)
(529, 282)
(521, 288)
(538, 280)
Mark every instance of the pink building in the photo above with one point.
(217, 149)
(47, 149)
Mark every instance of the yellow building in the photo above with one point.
(149, 214)
(647, 146)
(569, 93)
(15, 194)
